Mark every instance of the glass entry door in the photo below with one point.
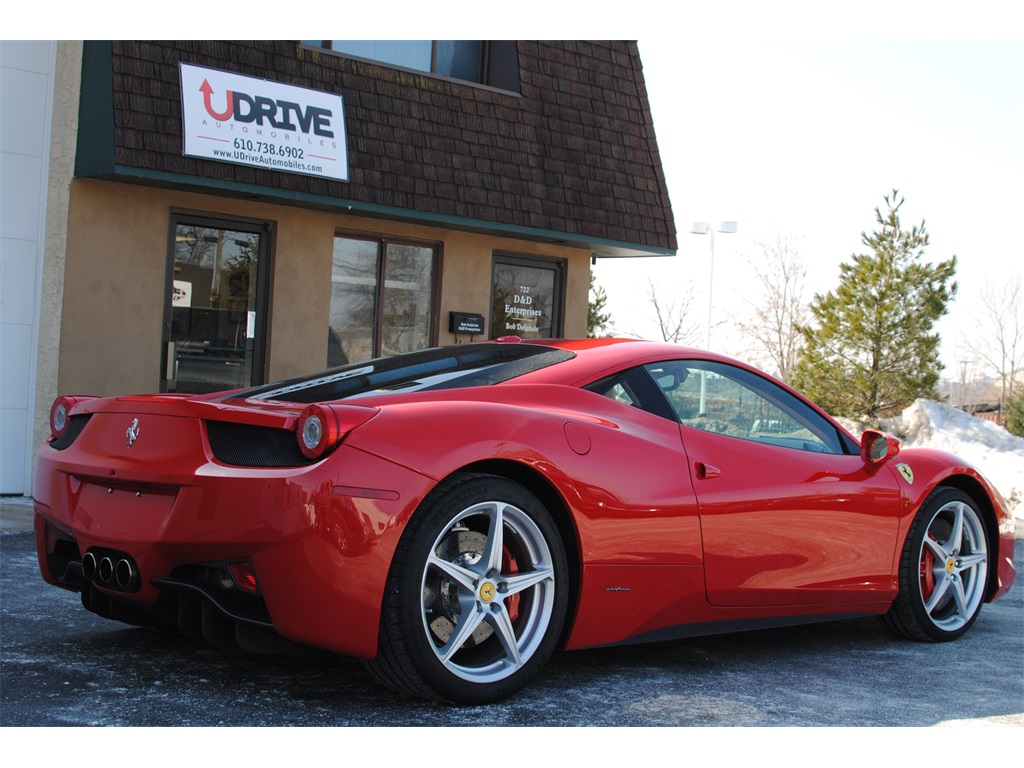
(526, 296)
(215, 312)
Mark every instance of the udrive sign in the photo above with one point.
(237, 119)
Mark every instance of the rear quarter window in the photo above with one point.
(468, 365)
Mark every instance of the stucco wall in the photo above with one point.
(115, 278)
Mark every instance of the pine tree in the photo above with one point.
(597, 318)
(871, 349)
(1013, 412)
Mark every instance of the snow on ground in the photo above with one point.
(990, 448)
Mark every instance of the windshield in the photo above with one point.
(468, 365)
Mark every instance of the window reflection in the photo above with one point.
(353, 301)
(461, 59)
(407, 286)
(213, 309)
(412, 54)
(381, 299)
(714, 397)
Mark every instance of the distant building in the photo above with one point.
(981, 397)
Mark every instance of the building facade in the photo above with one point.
(240, 212)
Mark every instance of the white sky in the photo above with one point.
(803, 138)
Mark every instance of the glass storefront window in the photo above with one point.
(381, 299)
(350, 335)
(408, 285)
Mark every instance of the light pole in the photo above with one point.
(703, 228)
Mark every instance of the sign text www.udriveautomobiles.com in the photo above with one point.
(239, 119)
(282, 156)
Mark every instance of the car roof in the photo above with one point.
(593, 357)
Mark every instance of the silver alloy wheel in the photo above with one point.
(953, 566)
(488, 592)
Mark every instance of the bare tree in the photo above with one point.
(969, 386)
(779, 309)
(999, 335)
(677, 323)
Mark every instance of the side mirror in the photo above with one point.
(878, 446)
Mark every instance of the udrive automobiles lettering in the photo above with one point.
(244, 108)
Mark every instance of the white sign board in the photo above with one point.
(182, 294)
(237, 119)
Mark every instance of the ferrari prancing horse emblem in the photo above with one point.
(907, 472)
(132, 433)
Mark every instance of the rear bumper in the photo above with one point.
(319, 539)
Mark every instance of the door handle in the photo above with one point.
(706, 471)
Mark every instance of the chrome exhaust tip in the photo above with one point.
(124, 573)
(106, 570)
(89, 565)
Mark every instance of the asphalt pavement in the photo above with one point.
(63, 666)
(15, 514)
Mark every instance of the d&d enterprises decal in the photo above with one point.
(237, 119)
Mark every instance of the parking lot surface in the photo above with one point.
(63, 666)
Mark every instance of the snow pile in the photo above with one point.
(991, 449)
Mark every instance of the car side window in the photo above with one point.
(620, 392)
(731, 401)
(633, 387)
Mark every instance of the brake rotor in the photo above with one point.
(462, 547)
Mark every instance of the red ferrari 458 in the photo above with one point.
(454, 515)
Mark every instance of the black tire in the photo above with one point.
(943, 569)
(472, 610)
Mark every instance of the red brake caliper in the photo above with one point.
(927, 572)
(509, 565)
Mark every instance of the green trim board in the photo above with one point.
(94, 155)
(601, 247)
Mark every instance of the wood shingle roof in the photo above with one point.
(574, 153)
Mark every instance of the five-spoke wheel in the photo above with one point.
(943, 570)
(488, 592)
(477, 593)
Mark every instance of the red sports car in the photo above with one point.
(456, 514)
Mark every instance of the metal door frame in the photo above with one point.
(263, 273)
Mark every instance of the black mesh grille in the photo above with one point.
(245, 445)
(75, 426)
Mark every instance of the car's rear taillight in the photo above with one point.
(60, 414)
(321, 427)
